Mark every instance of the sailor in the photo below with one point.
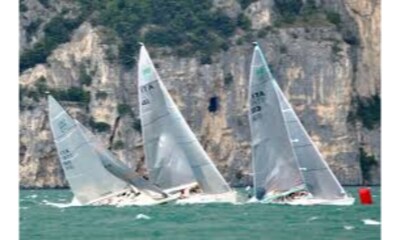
(260, 192)
(184, 193)
(249, 192)
(303, 193)
(195, 189)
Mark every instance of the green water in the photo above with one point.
(212, 221)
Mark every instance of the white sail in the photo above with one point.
(174, 156)
(320, 180)
(295, 145)
(116, 167)
(274, 162)
(87, 177)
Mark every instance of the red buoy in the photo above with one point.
(365, 195)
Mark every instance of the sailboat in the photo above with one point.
(94, 175)
(287, 166)
(174, 157)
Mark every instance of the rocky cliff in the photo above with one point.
(326, 59)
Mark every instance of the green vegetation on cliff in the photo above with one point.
(124, 109)
(57, 31)
(304, 13)
(189, 26)
(40, 90)
(367, 162)
(99, 126)
(367, 110)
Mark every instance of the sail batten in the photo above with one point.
(173, 155)
(157, 119)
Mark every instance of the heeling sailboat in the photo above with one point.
(90, 182)
(174, 157)
(120, 170)
(285, 160)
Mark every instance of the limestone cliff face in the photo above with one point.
(367, 82)
(319, 72)
(34, 15)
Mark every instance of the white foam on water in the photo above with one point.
(228, 197)
(253, 200)
(32, 196)
(238, 203)
(73, 203)
(142, 216)
(312, 218)
(371, 222)
(348, 227)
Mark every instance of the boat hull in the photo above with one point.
(146, 201)
(141, 199)
(228, 197)
(347, 201)
(314, 201)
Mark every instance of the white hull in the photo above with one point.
(146, 201)
(347, 201)
(314, 201)
(228, 197)
(141, 199)
(179, 188)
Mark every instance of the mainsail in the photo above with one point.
(174, 156)
(274, 162)
(87, 177)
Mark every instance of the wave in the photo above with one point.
(73, 203)
(348, 227)
(142, 216)
(371, 222)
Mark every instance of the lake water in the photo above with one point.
(201, 221)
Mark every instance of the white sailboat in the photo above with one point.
(287, 166)
(85, 162)
(174, 157)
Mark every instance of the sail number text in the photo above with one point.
(65, 156)
(146, 89)
(256, 99)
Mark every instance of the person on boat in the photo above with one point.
(260, 192)
(249, 192)
(184, 193)
(280, 199)
(303, 193)
(195, 189)
(296, 195)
